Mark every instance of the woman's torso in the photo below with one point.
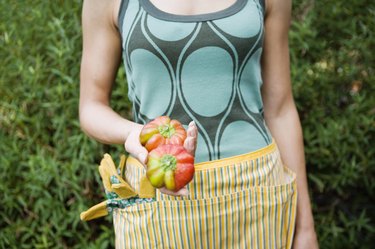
(203, 66)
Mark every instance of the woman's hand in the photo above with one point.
(134, 147)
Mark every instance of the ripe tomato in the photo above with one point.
(162, 130)
(171, 166)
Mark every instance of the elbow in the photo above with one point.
(280, 110)
(89, 122)
(84, 121)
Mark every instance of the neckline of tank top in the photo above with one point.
(151, 9)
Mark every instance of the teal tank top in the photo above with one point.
(202, 67)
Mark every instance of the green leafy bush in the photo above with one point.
(49, 167)
(332, 59)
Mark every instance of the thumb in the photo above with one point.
(142, 157)
(134, 147)
(190, 143)
(138, 151)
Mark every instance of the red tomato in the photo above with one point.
(171, 166)
(162, 130)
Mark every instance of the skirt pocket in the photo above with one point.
(257, 217)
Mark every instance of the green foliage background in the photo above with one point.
(49, 167)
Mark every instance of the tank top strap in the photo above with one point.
(263, 4)
(126, 6)
(122, 10)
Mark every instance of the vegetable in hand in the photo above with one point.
(162, 130)
(170, 166)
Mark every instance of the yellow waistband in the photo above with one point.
(236, 159)
(224, 161)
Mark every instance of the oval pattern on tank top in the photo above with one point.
(171, 31)
(129, 16)
(161, 88)
(202, 153)
(251, 76)
(242, 136)
(206, 74)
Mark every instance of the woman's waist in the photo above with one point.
(231, 144)
(262, 167)
(222, 136)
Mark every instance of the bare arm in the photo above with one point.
(100, 61)
(281, 114)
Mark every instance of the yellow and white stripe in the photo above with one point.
(246, 201)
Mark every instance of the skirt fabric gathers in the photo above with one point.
(245, 201)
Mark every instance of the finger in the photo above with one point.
(142, 157)
(182, 192)
(134, 147)
(190, 144)
(192, 130)
(137, 151)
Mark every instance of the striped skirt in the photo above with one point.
(245, 201)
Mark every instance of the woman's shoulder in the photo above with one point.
(101, 12)
(277, 5)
